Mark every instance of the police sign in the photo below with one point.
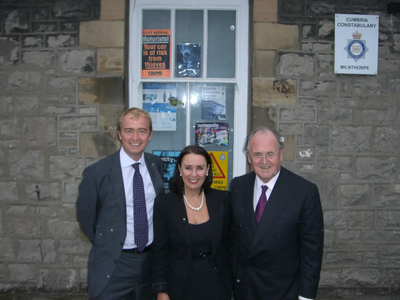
(356, 44)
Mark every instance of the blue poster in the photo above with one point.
(159, 100)
(169, 159)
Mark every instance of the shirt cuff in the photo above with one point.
(303, 298)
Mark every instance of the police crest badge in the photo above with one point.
(356, 48)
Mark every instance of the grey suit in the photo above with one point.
(101, 213)
(280, 258)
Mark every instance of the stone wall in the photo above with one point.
(62, 88)
(342, 132)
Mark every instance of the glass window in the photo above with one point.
(183, 61)
(221, 44)
(189, 43)
(156, 19)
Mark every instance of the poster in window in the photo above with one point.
(169, 159)
(188, 60)
(156, 49)
(212, 134)
(160, 101)
(219, 165)
(213, 101)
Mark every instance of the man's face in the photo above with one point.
(264, 155)
(134, 134)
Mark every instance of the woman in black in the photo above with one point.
(191, 234)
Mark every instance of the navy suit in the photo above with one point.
(101, 213)
(279, 258)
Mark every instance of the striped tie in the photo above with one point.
(261, 203)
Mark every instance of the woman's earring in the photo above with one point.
(180, 174)
(207, 174)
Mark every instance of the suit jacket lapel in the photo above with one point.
(216, 219)
(154, 174)
(246, 204)
(178, 212)
(275, 206)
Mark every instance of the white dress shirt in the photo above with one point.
(257, 188)
(127, 175)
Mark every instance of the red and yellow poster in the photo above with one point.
(156, 53)
(219, 160)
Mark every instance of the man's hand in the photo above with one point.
(162, 296)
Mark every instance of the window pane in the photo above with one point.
(161, 102)
(156, 52)
(189, 43)
(211, 109)
(221, 44)
(156, 19)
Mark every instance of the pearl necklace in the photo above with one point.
(192, 207)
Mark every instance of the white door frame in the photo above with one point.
(242, 54)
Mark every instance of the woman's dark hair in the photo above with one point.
(177, 182)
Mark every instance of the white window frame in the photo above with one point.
(242, 54)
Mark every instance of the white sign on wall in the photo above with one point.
(356, 44)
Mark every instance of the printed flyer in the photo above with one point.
(159, 100)
(212, 134)
(156, 50)
(213, 99)
(188, 60)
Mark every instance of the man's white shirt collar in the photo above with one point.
(127, 161)
(257, 188)
(270, 184)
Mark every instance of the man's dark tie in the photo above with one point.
(141, 225)
(261, 203)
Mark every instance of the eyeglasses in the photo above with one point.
(259, 156)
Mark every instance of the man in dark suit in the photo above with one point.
(119, 263)
(277, 231)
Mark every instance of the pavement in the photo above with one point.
(84, 296)
(44, 296)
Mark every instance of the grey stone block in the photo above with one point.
(41, 131)
(27, 164)
(25, 80)
(63, 167)
(78, 61)
(351, 138)
(21, 272)
(57, 279)
(81, 123)
(295, 65)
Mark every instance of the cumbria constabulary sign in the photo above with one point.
(356, 44)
